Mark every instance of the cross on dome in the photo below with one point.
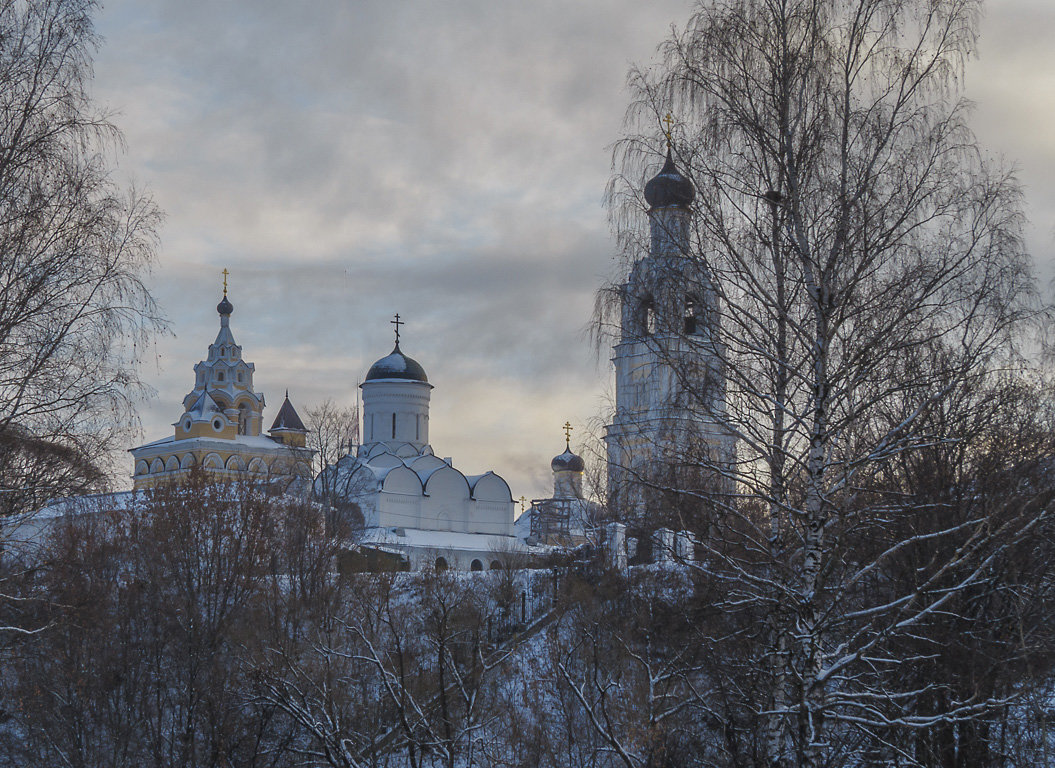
(397, 322)
(567, 461)
(669, 120)
(225, 274)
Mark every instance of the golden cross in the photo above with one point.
(225, 274)
(669, 120)
(567, 434)
(523, 501)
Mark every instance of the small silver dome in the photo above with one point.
(567, 462)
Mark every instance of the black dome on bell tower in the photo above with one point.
(669, 187)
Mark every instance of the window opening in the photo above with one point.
(691, 316)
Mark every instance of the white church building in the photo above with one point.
(415, 505)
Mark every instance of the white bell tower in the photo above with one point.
(670, 391)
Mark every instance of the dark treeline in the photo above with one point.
(206, 626)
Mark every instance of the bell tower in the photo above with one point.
(666, 434)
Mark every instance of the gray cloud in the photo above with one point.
(349, 159)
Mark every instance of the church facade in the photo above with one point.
(414, 504)
(221, 427)
(667, 430)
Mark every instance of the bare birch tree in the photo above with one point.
(332, 431)
(74, 311)
(870, 274)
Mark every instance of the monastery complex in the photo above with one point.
(404, 502)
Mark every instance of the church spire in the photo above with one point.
(223, 396)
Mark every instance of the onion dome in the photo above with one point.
(397, 366)
(669, 187)
(225, 307)
(567, 462)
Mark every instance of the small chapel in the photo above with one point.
(221, 427)
(566, 518)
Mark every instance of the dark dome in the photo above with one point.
(669, 187)
(567, 461)
(397, 366)
(225, 307)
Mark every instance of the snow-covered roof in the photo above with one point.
(440, 540)
(397, 366)
(204, 408)
(93, 502)
(258, 442)
(381, 462)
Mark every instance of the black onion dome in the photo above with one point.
(669, 187)
(567, 462)
(397, 366)
(225, 307)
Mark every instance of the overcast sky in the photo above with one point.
(349, 159)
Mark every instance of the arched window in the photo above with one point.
(393, 426)
(495, 565)
(650, 320)
(441, 564)
(692, 316)
(219, 375)
(243, 419)
(476, 566)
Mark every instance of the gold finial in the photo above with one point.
(523, 501)
(225, 274)
(567, 434)
(397, 322)
(669, 120)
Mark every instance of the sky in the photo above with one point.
(350, 159)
